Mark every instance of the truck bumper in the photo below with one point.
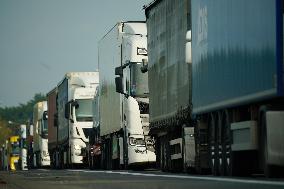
(138, 155)
(78, 151)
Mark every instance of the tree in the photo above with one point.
(23, 112)
(5, 131)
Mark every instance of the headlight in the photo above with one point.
(77, 150)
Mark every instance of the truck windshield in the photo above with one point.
(139, 81)
(84, 112)
(44, 126)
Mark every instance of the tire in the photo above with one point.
(267, 169)
(90, 162)
(163, 155)
(213, 147)
(220, 146)
(226, 144)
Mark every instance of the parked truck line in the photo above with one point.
(40, 135)
(229, 119)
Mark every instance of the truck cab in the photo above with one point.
(40, 150)
(80, 114)
(133, 84)
(74, 101)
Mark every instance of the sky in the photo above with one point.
(41, 40)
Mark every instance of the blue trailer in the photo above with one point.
(237, 84)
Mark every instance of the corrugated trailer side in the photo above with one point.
(169, 75)
(52, 116)
(237, 79)
(110, 100)
(235, 53)
(169, 79)
(62, 99)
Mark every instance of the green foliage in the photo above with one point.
(5, 131)
(22, 113)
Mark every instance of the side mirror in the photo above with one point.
(119, 71)
(44, 135)
(67, 110)
(75, 104)
(119, 85)
(45, 116)
(144, 68)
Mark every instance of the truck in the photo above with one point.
(123, 99)
(40, 135)
(169, 79)
(75, 94)
(217, 105)
(237, 84)
(13, 152)
(52, 126)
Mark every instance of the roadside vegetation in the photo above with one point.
(12, 117)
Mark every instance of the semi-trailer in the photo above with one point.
(13, 153)
(169, 79)
(52, 126)
(237, 84)
(222, 109)
(74, 98)
(40, 135)
(123, 100)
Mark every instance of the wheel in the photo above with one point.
(52, 160)
(213, 145)
(220, 144)
(267, 168)
(91, 161)
(164, 154)
(59, 160)
(226, 144)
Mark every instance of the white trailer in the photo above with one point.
(74, 108)
(124, 113)
(40, 134)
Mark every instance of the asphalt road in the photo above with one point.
(87, 179)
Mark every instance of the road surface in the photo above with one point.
(89, 179)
